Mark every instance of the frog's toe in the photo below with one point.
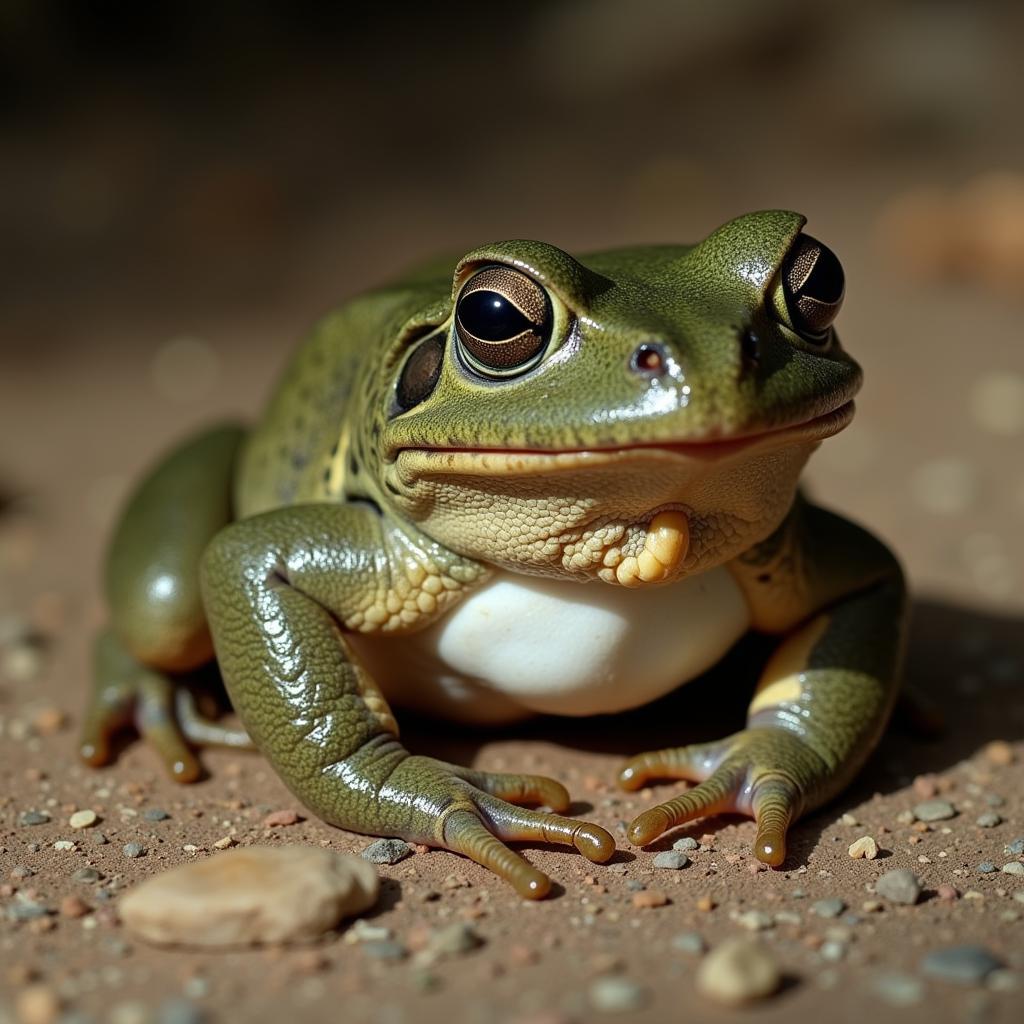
(520, 789)
(517, 824)
(158, 725)
(764, 773)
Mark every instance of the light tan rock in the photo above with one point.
(251, 896)
(738, 971)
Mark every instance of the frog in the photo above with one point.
(520, 483)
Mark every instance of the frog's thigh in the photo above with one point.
(152, 572)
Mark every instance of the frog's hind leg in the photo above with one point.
(158, 627)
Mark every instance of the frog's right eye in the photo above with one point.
(812, 287)
(503, 322)
(420, 374)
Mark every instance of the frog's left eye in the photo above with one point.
(502, 321)
(813, 285)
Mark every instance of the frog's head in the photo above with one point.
(567, 416)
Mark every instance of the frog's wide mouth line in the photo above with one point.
(492, 461)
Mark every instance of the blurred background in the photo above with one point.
(187, 186)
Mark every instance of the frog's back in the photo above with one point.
(297, 452)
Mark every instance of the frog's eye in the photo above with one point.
(812, 288)
(502, 321)
(420, 374)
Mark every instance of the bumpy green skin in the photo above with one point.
(344, 516)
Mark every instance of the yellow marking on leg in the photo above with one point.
(781, 691)
(780, 682)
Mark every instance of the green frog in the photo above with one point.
(516, 483)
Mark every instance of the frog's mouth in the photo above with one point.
(512, 461)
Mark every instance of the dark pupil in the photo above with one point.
(489, 316)
(420, 374)
(825, 282)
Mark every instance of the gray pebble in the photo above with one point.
(22, 871)
(634, 886)
(832, 950)
(966, 965)
(87, 875)
(33, 847)
(155, 814)
(934, 810)
(686, 843)
(33, 818)
(898, 989)
(988, 820)
(689, 942)
(900, 886)
(831, 907)
(617, 995)
(179, 1011)
(100, 839)
(986, 867)
(385, 950)
(25, 910)
(387, 851)
(1016, 847)
(1014, 867)
(133, 850)
(674, 860)
(994, 800)
(455, 938)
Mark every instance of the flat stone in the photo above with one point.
(454, 939)
(86, 875)
(1014, 867)
(986, 867)
(831, 907)
(33, 818)
(934, 810)
(673, 860)
(83, 819)
(899, 886)
(617, 995)
(686, 844)
(155, 814)
(898, 989)
(965, 965)
(864, 848)
(133, 850)
(1015, 848)
(387, 851)
(250, 896)
(988, 820)
(689, 942)
(738, 971)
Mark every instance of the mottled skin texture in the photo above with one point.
(344, 511)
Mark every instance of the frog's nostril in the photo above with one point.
(649, 359)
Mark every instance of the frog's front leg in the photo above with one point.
(281, 590)
(837, 596)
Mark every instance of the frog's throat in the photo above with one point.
(665, 546)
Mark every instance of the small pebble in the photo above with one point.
(989, 820)
(689, 942)
(155, 814)
(673, 860)
(64, 845)
(864, 848)
(649, 899)
(225, 843)
(965, 965)
(83, 819)
(1014, 867)
(899, 886)
(617, 995)
(832, 950)
(21, 871)
(999, 752)
(388, 950)
(934, 810)
(738, 971)
(387, 851)
(455, 939)
(86, 875)
(831, 907)
(133, 850)
(986, 867)
(898, 989)
(947, 893)
(179, 1011)
(73, 906)
(33, 818)
(755, 920)
(279, 819)
(686, 844)
(1015, 848)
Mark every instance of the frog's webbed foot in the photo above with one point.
(765, 773)
(480, 815)
(130, 694)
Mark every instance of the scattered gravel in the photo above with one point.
(617, 995)
(133, 850)
(83, 819)
(864, 848)
(33, 818)
(831, 907)
(899, 886)
(155, 814)
(454, 940)
(687, 843)
(738, 971)
(1015, 848)
(387, 851)
(986, 867)
(989, 820)
(965, 965)
(934, 810)
(249, 896)
(673, 860)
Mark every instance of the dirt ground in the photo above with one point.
(125, 348)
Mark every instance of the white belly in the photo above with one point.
(521, 644)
